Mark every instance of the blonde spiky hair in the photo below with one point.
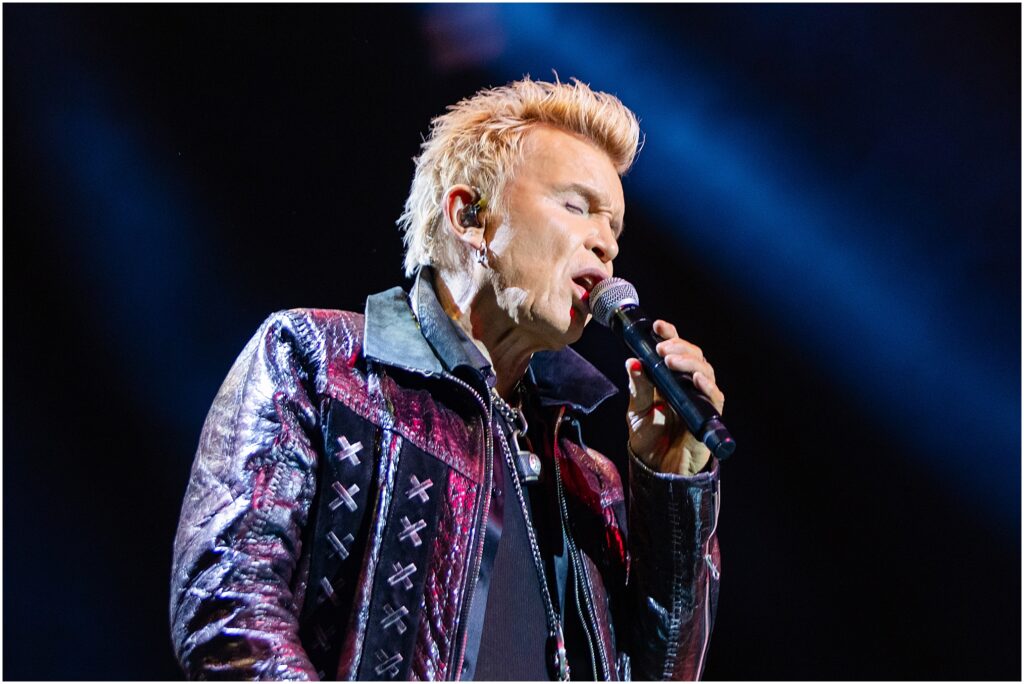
(478, 141)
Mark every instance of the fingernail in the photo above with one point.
(635, 367)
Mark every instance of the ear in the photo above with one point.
(455, 200)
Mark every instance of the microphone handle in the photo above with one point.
(693, 407)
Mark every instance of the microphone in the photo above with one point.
(616, 305)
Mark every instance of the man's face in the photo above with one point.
(563, 215)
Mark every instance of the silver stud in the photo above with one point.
(410, 530)
(344, 496)
(349, 451)
(339, 544)
(419, 489)
(328, 588)
(402, 575)
(394, 617)
(322, 638)
(388, 663)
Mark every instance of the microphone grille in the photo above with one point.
(611, 294)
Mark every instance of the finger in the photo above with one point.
(665, 329)
(641, 391)
(710, 390)
(687, 363)
(677, 345)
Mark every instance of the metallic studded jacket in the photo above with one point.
(335, 519)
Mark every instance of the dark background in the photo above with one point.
(828, 203)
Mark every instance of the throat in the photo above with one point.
(484, 317)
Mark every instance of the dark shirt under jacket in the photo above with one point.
(514, 639)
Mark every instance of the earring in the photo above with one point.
(481, 254)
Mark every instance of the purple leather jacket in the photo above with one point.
(335, 519)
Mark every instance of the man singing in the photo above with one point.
(405, 493)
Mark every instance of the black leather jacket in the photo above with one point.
(333, 526)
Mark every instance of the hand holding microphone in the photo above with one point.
(677, 440)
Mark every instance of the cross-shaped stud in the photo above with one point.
(348, 451)
(419, 489)
(328, 588)
(410, 530)
(388, 663)
(322, 636)
(344, 496)
(394, 617)
(402, 575)
(339, 544)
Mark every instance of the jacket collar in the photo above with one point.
(412, 332)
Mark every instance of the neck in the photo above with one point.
(472, 304)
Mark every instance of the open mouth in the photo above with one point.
(584, 282)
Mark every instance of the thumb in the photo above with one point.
(641, 390)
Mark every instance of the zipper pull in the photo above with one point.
(560, 660)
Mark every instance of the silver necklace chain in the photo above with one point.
(515, 417)
(510, 414)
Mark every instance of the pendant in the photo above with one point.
(527, 462)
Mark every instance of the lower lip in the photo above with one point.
(583, 295)
(581, 291)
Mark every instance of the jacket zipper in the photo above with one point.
(471, 578)
(589, 586)
(579, 572)
(588, 593)
(707, 586)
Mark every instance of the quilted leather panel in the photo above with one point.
(443, 590)
(435, 428)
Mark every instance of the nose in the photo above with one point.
(602, 242)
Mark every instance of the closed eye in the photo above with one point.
(575, 209)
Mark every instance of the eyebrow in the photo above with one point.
(618, 227)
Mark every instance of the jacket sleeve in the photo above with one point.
(674, 570)
(232, 610)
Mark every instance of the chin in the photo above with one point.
(573, 336)
(577, 321)
(561, 331)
